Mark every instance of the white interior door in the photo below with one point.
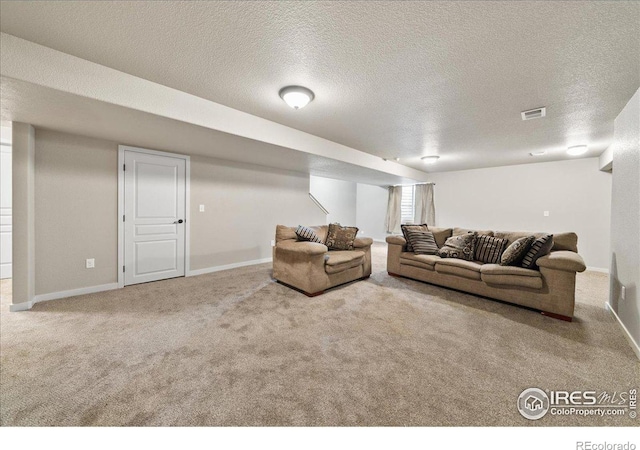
(154, 217)
(5, 211)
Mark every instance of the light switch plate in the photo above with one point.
(201, 208)
(623, 292)
(273, 243)
(546, 213)
(90, 263)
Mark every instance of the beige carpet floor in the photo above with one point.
(236, 348)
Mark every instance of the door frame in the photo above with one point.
(187, 194)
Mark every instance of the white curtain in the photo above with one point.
(425, 208)
(394, 211)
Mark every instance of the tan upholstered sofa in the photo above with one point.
(550, 290)
(312, 268)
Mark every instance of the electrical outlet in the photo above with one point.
(201, 208)
(546, 213)
(90, 263)
(623, 292)
(273, 243)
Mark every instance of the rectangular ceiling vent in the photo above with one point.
(534, 113)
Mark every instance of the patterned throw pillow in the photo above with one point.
(489, 249)
(341, 238)
(423, 242)
(539, 248)
(461, 247)
(406, 228)
(513, 255)
(307, 234)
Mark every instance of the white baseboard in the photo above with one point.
(597, 269)
(20, 306)
(380, 240)
(634, 344)
(193, 273)
(62, 294)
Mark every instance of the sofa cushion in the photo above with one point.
(405, 232)
(285, 233)
(513, 255)
(489, 249)
(497, 275)
(423, 261)
(441, 235)
(459, 267)
(307, 234)
(540, 247)
(561, 241)
(423, 242)
(565, 241)
(339, 260)
(460, 247)
(340, 238)
(497, 269)
(458, 231)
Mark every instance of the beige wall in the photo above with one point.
(371, 211)
(337, 196)
(76, 194)
(575, 192)
(76, 211)
(23, 227)
(625, 217)
(243, 205)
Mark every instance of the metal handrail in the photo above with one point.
(318, 204)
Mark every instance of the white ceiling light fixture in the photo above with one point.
(430, 159)
(538, 153)
(296, 96)
(577, 150)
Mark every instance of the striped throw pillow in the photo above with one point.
(539, 248)
(407, 227)
(307, 234)
(422, 242)
(489, 249)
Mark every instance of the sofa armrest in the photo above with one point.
(302, 247)
(562, 260)
(362, 242)
(396, 239)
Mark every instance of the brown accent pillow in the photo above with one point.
(460, 247)
(407, 227)
(513, 255)
(340, 238)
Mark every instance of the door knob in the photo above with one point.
(179, 221)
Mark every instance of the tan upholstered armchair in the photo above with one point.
(312, 268)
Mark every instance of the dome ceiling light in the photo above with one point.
(577, 150)
(296, 96)
(430, 159)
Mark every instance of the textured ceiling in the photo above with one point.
(52, 109)
(394, 79)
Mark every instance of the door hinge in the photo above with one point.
(123, 269)
(124, 167)
(123, 217)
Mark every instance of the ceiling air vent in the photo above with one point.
(534, 113)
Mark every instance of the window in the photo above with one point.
(407, 204)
